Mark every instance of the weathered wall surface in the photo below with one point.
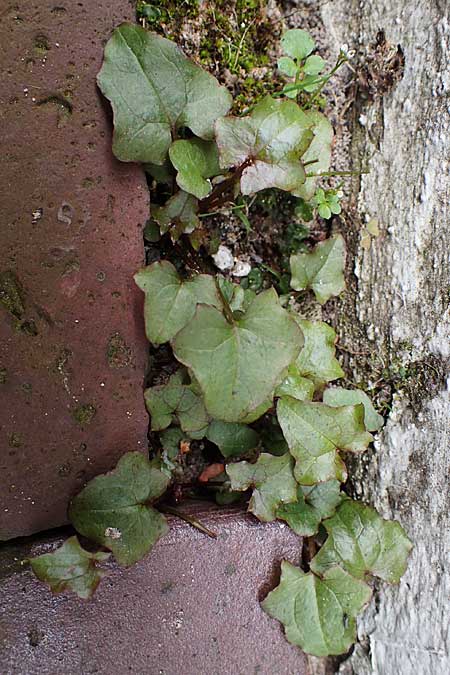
(72, 347)
(403, 286)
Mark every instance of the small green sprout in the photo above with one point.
(327, 202)
(305, 67)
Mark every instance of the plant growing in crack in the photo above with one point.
(253, 375)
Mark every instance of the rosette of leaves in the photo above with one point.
(327, 202)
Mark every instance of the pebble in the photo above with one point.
(223, 259)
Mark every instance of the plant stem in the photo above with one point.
(337, 173)
(226, 307)
(192, 521)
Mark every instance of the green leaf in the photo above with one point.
(272, 480)
(161, 173)
(178, 215)
(296, 386)
(170, 302)
(317, 360)
(195, 160)
(315, 432)
(297, 43)
(362, 542)
(324, 211)
(287, 66)
(170, 441)
(319, 151)
(238, 365)
(70, 568)
(322, 270)
(338, 396)
(113, 509)
(318, 614)
(154, 89)
(177, 402)
(273, 439)
(313, 505)
(233, 440)
(314, 65)
(268, 144)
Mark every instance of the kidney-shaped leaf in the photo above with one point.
(272, 480)
(317, 360)
(170, 302)
(113, 509)
(297, 43)
(313, 505)
(322, 270)
(268, 145)
(318, 614)
(155, 89)
(196, 161)
(70, 568)
(315, 432)
(362, 542)
(239, 364)
(337, 396)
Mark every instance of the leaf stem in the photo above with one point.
(226, 306)
(337, 173)
(192, 521)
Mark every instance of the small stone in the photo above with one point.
(223, 259)
(241, 269)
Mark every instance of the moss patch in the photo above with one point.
(231, 38)
(117, 352)
(84, 414)
(11, 294)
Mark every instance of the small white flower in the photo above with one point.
(345, 49)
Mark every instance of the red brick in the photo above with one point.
(191, 607)
(72, 351)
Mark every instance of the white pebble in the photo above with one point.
(241, 269)
(223, 259)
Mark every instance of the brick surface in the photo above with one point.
(72, 350)
(191, 607)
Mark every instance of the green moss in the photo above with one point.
(11, 294)
(15, 440)
(235, 37)
(41, 45)
(117, 352)
(84, 414)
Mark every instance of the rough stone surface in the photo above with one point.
(72, 350)
(190, 607)
(403, 286)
